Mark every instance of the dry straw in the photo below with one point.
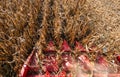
(25, 24)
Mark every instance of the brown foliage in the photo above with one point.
(28, 23)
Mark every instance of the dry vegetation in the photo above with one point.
(25, 24)
(18, 32)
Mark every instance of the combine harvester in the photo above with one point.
(65, 62)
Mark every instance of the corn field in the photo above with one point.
(29, 24)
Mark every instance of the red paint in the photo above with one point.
(50, 62)
(47, 74)
(118, 58)
(24, 71)
(62, 74)
(65, 47)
